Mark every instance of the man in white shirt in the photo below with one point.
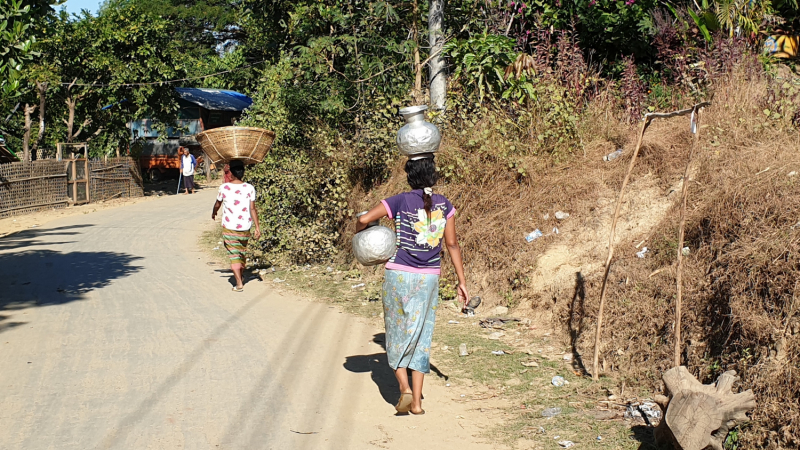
(188, 164)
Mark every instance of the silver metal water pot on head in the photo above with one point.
(418, 135)
(373, 245)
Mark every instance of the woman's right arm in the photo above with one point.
(451, 240)
(216, 208)
(372, 215)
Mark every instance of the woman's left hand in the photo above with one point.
(257, 234)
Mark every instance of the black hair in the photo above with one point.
(237, 169)
(421, 173)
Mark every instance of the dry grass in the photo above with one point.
(739, 279)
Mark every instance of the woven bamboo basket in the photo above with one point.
(249, 145)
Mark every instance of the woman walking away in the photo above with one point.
(239, 214)
(411, 284)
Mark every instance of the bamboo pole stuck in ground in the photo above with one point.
(695, 127)
(595, 360)
(647, 119)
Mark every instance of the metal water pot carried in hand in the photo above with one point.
(418, 135)
(373, 245)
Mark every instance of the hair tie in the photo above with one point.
(428, 191)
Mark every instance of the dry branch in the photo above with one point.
(595, 360)
(681, 112)
(681, 227)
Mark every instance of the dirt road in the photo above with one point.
(115, 332)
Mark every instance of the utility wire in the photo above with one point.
(163, 82)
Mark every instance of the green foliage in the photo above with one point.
(611, 27)
(732, 440)
(744, 15)
(306, 180)
(345, 51)
(480, 62)
(705, 20)
(783, 109)
(20, 23)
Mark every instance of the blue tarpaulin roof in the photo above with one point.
(215, 99)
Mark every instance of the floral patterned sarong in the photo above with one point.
(409, 313)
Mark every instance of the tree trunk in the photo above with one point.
(438, 77)
(697, 416)
(71, 102)
(417, 93)
(42, 88)
(26, 138)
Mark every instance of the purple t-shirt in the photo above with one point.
(419, 239)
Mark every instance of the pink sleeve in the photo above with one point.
(388, 208)
(451, 213)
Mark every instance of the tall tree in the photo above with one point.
(120, 58)
(438, 76)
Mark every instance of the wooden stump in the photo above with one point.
(698, 416)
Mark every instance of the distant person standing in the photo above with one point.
(188, 164)
(239, 215)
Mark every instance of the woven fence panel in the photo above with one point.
(32, 186)
(115, 178)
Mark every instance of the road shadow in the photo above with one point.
(8, 325)
(575, 322)
(45, 277)
(382, 374)
(31, 236)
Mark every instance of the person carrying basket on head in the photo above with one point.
(239, 214)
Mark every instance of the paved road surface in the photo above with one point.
(116, 333)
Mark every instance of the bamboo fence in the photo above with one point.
(27, 187)
(114, 178)
(32, 186)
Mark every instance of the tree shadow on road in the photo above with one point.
(46, 277)
(27, 238)
(8, 325)
(382, 374)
